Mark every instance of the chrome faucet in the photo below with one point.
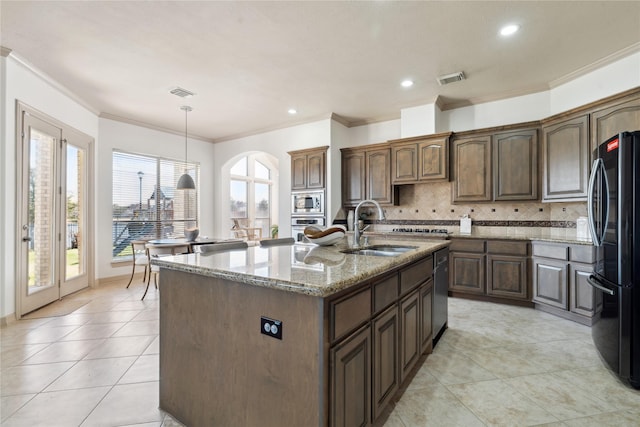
(356, 235)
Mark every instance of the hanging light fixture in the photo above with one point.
(185, 182)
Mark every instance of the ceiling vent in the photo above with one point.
(451, 78)
(182, 93)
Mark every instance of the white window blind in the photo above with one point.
(145, 202)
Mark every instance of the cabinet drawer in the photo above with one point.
(350, 312)
(467, 245)
(507, 248)
(416, 274)
(385, 292)
(582, 253)
(551, 251)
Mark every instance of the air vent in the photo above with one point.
(450, 78)
(183, 93)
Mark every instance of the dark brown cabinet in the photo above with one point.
(560, 285)
(507, 276)
(420, 159)
(472, 169)
(515, 165)
(467, 272)
(385, 358)
(409, 333)
(308, 168)
(350, 393)
(617, 116)
(565, 159)
(366, 174)
(426, 317)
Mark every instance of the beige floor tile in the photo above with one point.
(14, 355)
(31, 378)
(613, 419)
(61, 408)
(96, 306)
(40, 335)
(154, 347)
(394, 420)
(152, 314)
(455, 368)
(422, 379)
(434, 406)
(145, 369)
(503, 362)
(113, 316)
(120, 347)
(169, 421)
(93, 373)
(137, 304)
(127, 404)
(10, 404)
(145, 327)
(63, 351)
(90, 332)
(495, 403)
(69, 320)
(154, 424)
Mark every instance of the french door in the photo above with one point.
(54, 255)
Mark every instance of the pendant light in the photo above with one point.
(185, 182)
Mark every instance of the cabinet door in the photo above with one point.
(565, 153)
(353, 178)
(409, 333)
(426, 320)
(550, 282)
(515, 165)
(385, 359)
(472, 168)
(299, 172)
(466, 273)
(405, 163)
(378, 173)
(315, 170)
(351, 381)
(612, 120)
(507, 277)
(583, 297)
(433, 160)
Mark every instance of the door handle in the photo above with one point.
(26, 239)
(591, 281)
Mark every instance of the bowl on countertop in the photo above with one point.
(324, 237)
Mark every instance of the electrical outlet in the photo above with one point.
(271, 327)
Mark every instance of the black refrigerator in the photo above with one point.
(614, 219)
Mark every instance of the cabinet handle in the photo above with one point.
(591, 281)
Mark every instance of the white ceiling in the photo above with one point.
(249, 62)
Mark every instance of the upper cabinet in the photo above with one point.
(565, 159)
(308, 168)
(366, 174)
(498, 165)
(420, 159)
(615, 117)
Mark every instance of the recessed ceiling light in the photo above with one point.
(292, 111)
(510, 29)
(407, 83)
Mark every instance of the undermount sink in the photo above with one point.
(380, 250)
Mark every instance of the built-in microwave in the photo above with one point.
(307, 203)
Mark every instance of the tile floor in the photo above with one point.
(496, 365)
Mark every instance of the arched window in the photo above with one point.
(251, 194)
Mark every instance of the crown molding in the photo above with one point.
(500, 97)
(152, 127)
(4, 51)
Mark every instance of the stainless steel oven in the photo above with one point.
(307, 203)
(298, 225)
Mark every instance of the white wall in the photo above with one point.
(416, 121)
(136, 139)
(21, 83)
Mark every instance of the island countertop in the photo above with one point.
(301, 268)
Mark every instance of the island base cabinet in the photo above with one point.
(409, 333)
(351, 381)
(426, 317)
(385, 359)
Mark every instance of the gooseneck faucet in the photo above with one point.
(356, 235)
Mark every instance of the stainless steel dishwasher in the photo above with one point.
(440, 293)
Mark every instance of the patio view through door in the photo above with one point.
(54, 215)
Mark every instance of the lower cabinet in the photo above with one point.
(560, 284)
(426, 317)
(385, 358)
(409, 333)
(507, 276)
(351, 380)
(467, 272)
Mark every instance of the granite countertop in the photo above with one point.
(303, 268)
(567, 236)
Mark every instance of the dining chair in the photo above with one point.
(222, 247)
(155, 251)
(277, 242)
(140, 258)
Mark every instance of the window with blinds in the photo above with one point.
(145, 202)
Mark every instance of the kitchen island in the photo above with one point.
(292, 335)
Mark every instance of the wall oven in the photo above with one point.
(298, 225)
(307, 203)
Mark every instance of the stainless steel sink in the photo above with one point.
(380, 250)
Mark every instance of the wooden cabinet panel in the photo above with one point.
(467, 272)
(565, 159)
(467, 245)
(426, 317)
(611, 120)
(298, 172)
(353, 178)
(582, 253)
(308, 168)
(409, 333)
(508, 247)
(584, 299)
(385, 292)
(385, 359)
(316, 169)
(350, 393)
(433, 160)
(507, 276)
(416, 274)
(549, 250)
(405, 163)
(378, 173)
(472, 168)
(550, 282)
(349, 312)
(515, 165)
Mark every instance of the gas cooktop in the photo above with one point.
(421, 230)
